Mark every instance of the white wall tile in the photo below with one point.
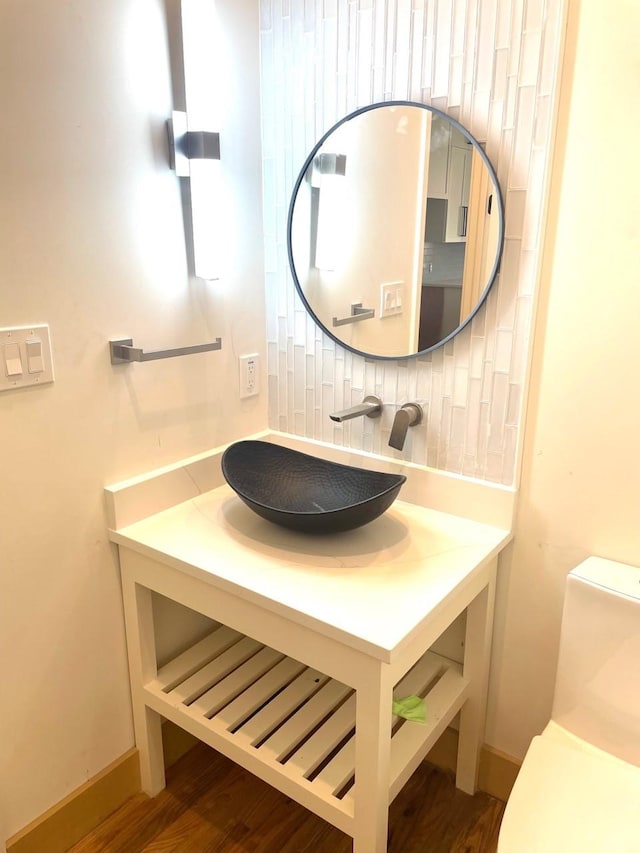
(483, 78)
(500, 66)
(525, 112)
(299, 377)
(402, 58)
(513, 404)
(526, 278)
(520, 349)
(515, 207)
(510, 102)
(460, 386)
(440, 85)
(531, 229)
(516, 29)
(502, 361)
(549, 62)
(506, 304)
(470, 41)
(492, 64)
(533, 16)
(529, 58)
(503, 24)
(472, 424)
(509, 452)
(428, 54)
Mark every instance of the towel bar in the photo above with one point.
(123, 352)
(357, 313)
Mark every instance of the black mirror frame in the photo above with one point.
(501, 227)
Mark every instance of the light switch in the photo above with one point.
(12, 360)
(35, 361)
(391, 299)
(25, 357)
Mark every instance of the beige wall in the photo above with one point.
(380, 234)
(580, 491)
(91, 242)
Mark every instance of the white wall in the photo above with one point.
(580, 490)
(92, 242)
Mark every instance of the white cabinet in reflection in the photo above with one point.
(448, 187)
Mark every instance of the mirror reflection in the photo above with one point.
(395, 229)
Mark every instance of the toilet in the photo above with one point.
(578, 790)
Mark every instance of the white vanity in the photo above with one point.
(313, 636)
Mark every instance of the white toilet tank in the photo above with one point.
(597, 693)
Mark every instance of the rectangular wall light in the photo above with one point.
(193, 136)
(328, 175)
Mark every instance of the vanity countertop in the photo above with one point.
(370, 588)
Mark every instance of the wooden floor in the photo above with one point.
(210, 805)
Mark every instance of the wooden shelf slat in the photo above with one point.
(258, 694)
(338, 771)
(285, 715)
(333, 730)
(268, 718)
(226, 690)
(285, 739)
(195, 657)
(218, 668)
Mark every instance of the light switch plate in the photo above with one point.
(391, 298)
(25, 357)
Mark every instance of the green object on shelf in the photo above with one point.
(411, 708)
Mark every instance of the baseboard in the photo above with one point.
(68, 821)
(64, 824)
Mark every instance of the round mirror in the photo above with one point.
(395, 229)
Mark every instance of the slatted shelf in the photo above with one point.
(290, 717)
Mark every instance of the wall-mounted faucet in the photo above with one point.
(407, 416)
(371, 407)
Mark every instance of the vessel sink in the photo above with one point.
(304, 492)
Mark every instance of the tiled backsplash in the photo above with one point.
(443, 262)
(492, 65)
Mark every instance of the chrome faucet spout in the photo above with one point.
(371, 407)
(407, 416)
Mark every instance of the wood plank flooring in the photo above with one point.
(211, 805)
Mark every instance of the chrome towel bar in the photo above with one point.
(123, 352)
(357, 313)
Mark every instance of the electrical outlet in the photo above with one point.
(249, 375)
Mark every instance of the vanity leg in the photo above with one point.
(138, 611)
(476, 670)
(373, 749)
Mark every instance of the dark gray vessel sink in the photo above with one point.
(306, 493)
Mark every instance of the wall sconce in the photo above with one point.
(327, 177)
(186, 145)
(194, 149)
(195, 154)
(329, 164)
